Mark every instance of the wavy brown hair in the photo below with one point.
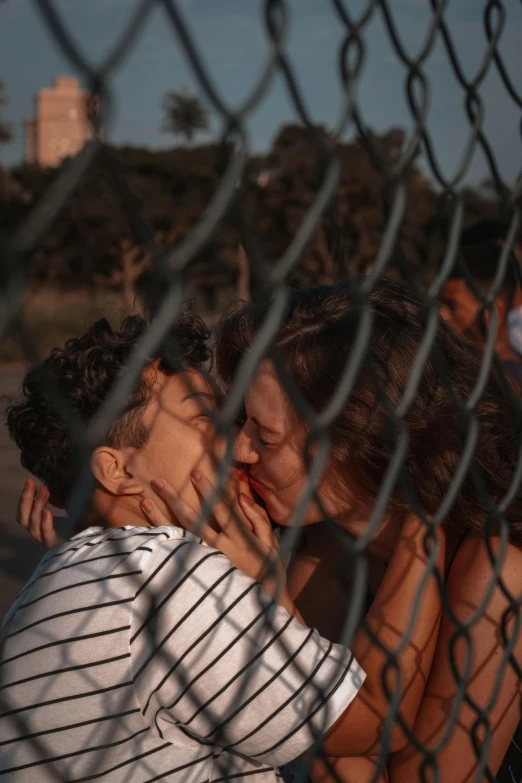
(316, 339)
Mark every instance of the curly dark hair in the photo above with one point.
(315, 340)
(83, 373)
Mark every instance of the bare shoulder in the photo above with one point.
(472, 591)
(479, 564)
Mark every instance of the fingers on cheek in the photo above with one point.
(26, 501)
(41, 499)
(149, 509)
(212, 523)
(35, 531)
(29, 489)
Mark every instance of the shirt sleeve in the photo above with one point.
(216, 661)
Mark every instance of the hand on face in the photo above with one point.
(237, 526)
(34, 515)
(273, 443)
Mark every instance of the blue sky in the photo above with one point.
(231, 35)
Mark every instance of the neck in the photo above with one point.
(114, 511)
(383, 542)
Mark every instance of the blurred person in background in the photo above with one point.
(480, 248)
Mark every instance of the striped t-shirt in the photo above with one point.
(139, 654)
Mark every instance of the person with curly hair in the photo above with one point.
(144, 653)
(66, 391)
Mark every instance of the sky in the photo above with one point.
(232, 37)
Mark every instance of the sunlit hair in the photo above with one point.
(316, 339)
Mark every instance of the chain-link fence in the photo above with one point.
(450, 484)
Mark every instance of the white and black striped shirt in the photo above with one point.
(142, 655)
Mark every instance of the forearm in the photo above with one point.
(359, 731)
(347, 770)
(389, 618)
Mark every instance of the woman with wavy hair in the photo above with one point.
(483, 522)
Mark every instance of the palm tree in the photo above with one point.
(185, 115)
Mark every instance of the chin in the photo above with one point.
(283, 517)
(273, 508)
(281, 512)
(285, 522)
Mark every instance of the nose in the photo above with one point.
(243, 450)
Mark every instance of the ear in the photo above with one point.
(501, 303)
(111, 469)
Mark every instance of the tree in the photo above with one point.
(185, 115)
(6, 133)
(96, 242)
(130, 262)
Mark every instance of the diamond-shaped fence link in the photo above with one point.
(166, 294)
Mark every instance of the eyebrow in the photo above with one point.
(264, 426)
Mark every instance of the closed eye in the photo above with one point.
(203, 420)
(262, 441)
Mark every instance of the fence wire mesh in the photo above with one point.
(165, 295)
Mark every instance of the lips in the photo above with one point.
(258, 485)
(241, 475)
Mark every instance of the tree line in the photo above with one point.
(95, 242)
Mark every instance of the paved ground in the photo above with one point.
(19, 554)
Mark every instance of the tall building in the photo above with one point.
(61, 123)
